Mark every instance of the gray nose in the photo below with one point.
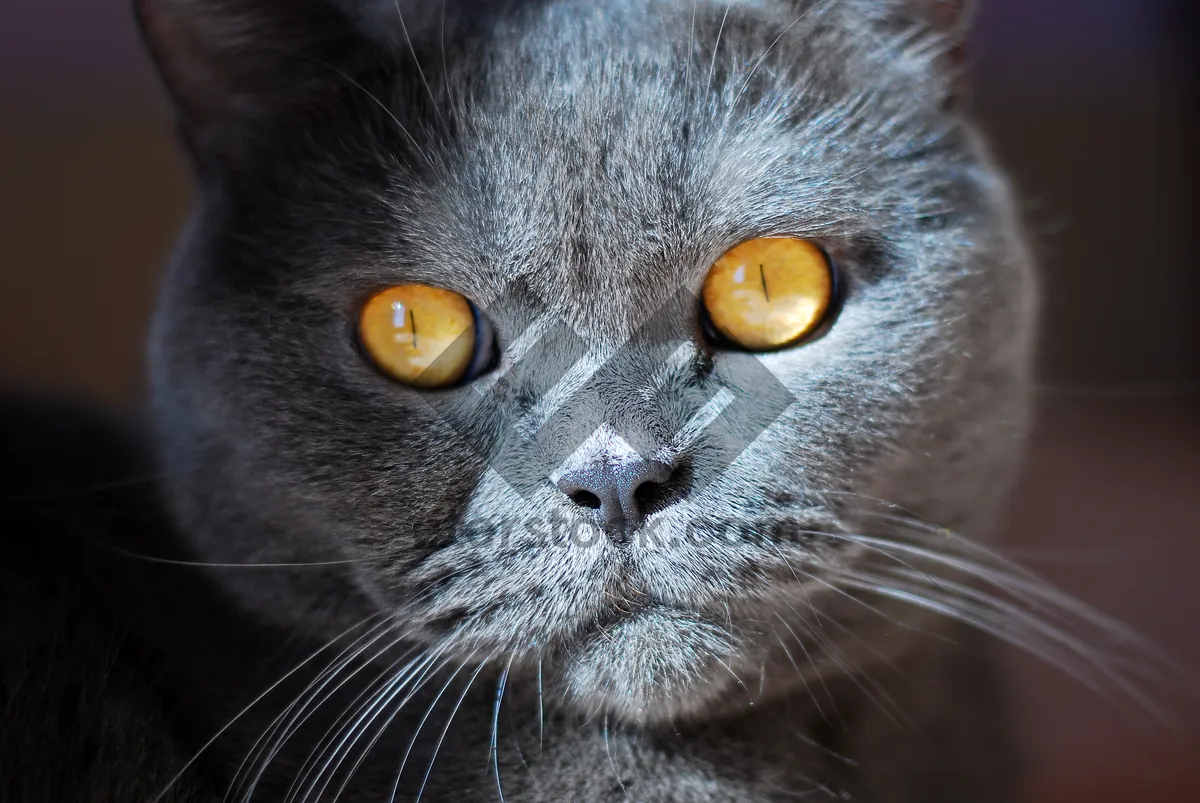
(624, 493)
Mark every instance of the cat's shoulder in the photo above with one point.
(69, 482)
(81, 717)
(60, 482)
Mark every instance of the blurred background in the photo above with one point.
(1091, 104)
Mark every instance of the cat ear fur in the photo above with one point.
(952, 17)
(232, 65)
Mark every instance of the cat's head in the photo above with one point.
(614, 484)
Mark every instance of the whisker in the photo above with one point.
(373, 99)
(799, 672)
(437, 748)
(876, 697)
(1036, 619)
(125, 553)
(728, 668)
(445, 64)
(541, 705)
(887, 698)
(417, 62)
(1003, 573)
(687, 76)
(862, 603)
(356, 721)
(712, 67)
(379, 732)
(421, 724)
(763, 57)
(1017, 581)
(496, 726)
(612, 763)
(965, 592)
(203, 748)
(1070, 655)
(941, 571)
(737, 679)
(277, 733)
(820, 676)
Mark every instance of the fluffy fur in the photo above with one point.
(574, 168)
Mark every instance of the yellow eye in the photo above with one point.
(424, 336)
(769, 293)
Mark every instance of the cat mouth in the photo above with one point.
(623, 600)
(627, 613)
(613, 615)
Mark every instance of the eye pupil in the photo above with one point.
(768, 294)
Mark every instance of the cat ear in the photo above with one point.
(232, 67)
(952, 19)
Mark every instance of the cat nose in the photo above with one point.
(624, 493)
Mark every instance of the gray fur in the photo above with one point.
(584, 163)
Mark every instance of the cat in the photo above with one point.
(621, 556)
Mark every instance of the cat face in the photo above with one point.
(618, 495)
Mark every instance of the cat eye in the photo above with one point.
(768, 294)
(426, 336)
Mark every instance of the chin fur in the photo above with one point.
(652, 667)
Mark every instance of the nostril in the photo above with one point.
(653, 495)
(648, 494)
(585, 499)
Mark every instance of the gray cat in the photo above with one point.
(612, 547)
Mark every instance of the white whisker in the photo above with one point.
(417, 62)
(541, 705)
(712, 67)
(1089, 666)
(306, 704)
(437, 748)
(421, 724)
(612, 763)
(687, 77)
(800, 672)
(382, 729)
(203, 748)
(377, 102)
(496, 727)
(354, 722)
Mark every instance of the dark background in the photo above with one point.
(1092, 105)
